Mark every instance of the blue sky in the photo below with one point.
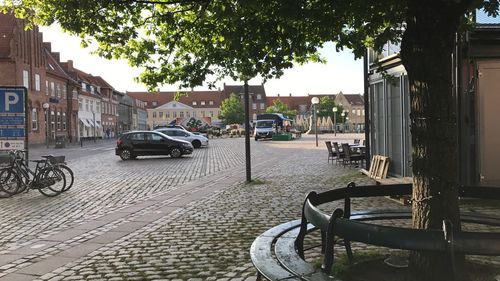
(340, 73)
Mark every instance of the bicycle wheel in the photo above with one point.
(50, 182)
(10, 182)
(69, 176)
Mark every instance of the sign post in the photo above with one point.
(13, 118)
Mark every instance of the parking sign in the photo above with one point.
(13, 118)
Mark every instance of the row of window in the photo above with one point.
(57, 120)
(54, 89)
(105, 108)
(163, 115)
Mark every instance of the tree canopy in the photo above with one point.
(280, 107)
(326, 104)
(232, 111)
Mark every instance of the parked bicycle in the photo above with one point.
(17, 177)
(60, 162)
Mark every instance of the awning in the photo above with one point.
(91, 123)
(97, 124)
(84, 122)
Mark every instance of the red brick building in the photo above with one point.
(26, 61)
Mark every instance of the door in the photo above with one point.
(488, 97)
(158, 145)
(138, 144)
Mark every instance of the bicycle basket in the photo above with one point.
(5, 159)
(57, 159)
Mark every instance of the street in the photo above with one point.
(158, 218)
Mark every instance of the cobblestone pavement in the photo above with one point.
(158, 218)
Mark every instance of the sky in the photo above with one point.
(340, 73)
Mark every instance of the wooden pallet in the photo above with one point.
(378, 167)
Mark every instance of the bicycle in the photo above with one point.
(17, 177)
(60, 162)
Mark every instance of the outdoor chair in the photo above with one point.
(340, 154)
(331, 154)
(351, 158)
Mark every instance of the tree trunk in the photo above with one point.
(426, 52)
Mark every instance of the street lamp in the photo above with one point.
(347, 122)
(314, 102)
(335, 109)
(46, 109)
(93, 117)
(342, 114)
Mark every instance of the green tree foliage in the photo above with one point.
(232, 111)
(192, 41)
(280, 107)
(326, 104)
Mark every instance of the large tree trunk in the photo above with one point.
(426, 52)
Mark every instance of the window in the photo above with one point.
(194, 113)
(154, 103)
(195, 103)
(34, 120)
(187, 114)
(203, 113)
(211, 102)
(259, 96)
(37, 82)
(47, 87)
(97, 107)
(211, 114)
(154, 137)
(154, 114)
(262, 105)
(64, 92)
(26, 79)
(58, 90)
(175, 114)
(254, 105)
(52, 89)
(160, 114)
(167, 114)
(91, 89)
(64, 121)
(359, 112)
(86, 105)
(139, 136)
(91, 105)
(202, 102)
(181, 114)
(58, 121)
(80, 104)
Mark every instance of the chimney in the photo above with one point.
(290, 95)
(69, 64)
(278, 94)
(48, 46)
(57, 56)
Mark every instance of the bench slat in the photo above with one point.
(288, 257)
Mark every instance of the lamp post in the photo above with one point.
(93, 117)
(46, 109)
(347, 121)
(342, 114)
(335, 109)
(315, 101)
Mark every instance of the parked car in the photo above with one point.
(141, 143)
(196, 140)
(169, 126)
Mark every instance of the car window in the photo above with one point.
(168, 132)
(137, 136)
(153, 137)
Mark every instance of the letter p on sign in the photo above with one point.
(10, 99)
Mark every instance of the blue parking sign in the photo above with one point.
(12, 100)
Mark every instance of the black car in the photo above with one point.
(141, 143)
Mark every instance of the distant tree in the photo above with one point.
(232, 111)
(280, 107)
(326, 104)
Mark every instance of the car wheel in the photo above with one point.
(175, 152)
(126, 154)
(196, 144)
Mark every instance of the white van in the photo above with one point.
(264, 129)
